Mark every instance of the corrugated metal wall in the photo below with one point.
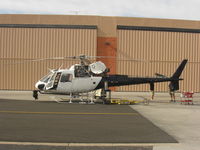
(171, 47)
(20, 45)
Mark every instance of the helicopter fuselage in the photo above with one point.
(67, 81)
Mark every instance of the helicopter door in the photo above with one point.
(53, 82)
(65, 84)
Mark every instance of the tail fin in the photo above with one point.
(174, 85)
(179, 70)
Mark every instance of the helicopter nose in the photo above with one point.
(39, 85)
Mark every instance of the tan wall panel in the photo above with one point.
(106, 24)
(18, 45)
(160, 46)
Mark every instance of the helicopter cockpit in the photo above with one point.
(46, 78)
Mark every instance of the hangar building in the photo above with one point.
(166, 42)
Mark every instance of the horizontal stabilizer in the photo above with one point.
(160, 75)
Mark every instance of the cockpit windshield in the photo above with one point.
(46, 78)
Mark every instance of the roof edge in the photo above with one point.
(165, 29)
(47, 26)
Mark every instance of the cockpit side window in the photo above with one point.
(46, 80)
(47, 77)
(66, 78)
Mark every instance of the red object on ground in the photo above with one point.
(187, 98)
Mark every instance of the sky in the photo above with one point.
(167, 9)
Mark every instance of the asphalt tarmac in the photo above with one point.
(50, 122)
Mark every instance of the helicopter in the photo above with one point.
(86, 77)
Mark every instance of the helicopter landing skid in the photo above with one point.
(75, 99)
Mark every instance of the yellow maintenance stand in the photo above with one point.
(123, 101)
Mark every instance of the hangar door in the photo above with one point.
(144, 51)
(21, 45)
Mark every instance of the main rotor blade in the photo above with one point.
(12, 61)
(72, 58)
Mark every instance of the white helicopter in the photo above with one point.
(86, 77)
(79, 78)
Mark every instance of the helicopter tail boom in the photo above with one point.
(122, 80)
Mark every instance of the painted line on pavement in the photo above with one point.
(64, 113)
